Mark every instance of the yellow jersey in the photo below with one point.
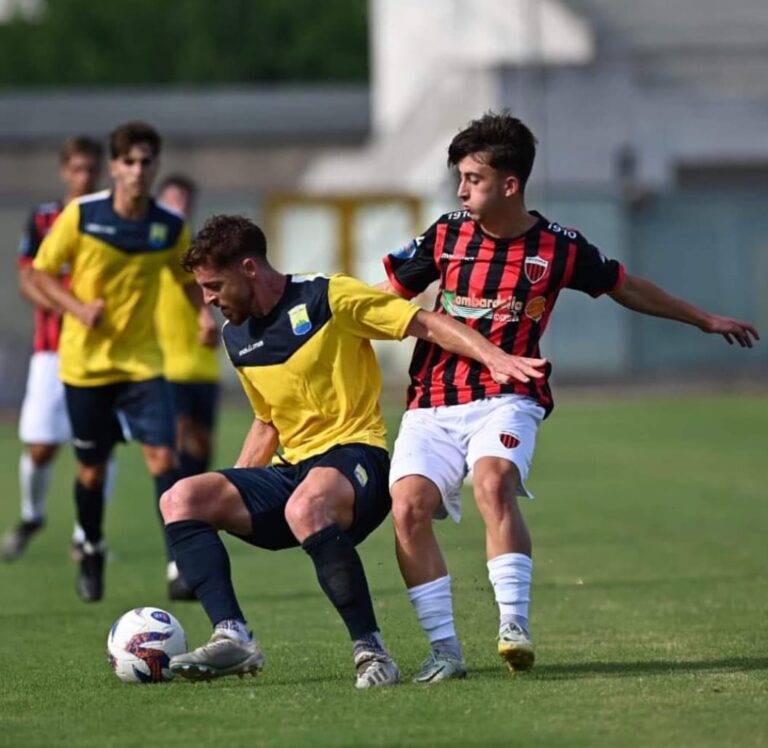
(184, 358)
(308, 367)
(119, 261)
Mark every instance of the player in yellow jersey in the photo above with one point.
(115, 244)
(190, 367)
(301, 347)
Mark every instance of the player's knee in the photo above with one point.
(180, 502)
(159, 460)
(303, 513)
(91, 477)
(41, 454)
(412, 510)
(495, 486)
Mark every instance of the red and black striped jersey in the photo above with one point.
(47, 324)
(505, 289)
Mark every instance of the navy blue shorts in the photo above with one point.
(265, 492)
(196, 401)
(102, 416)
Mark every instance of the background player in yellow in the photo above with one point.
(191, 368)
(116, 243)
(301, 347)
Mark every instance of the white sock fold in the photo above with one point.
(510, 575)
(234, 629)
(34, 482)
(433, 603)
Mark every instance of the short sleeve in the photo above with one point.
(180, 275)
(593, 272)
(366, 312)
(412, 268)
(58, 247)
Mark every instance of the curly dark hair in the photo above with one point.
(500, 140)
(224, 240)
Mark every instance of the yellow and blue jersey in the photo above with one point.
(184, 358)
(119, 261)
(308, 367)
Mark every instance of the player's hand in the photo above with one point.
(208, 329)
(731, 329)
(90, 314)
(506, 368)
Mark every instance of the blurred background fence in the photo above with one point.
(652, 120)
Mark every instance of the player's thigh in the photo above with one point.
(264, 492)
(95, 425)
(43, 418)
(502, 441)
(146, 413)
(359, 474)
(430, 445)
(210, 498)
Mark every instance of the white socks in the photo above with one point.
(510, 576)
(433, 604)
(234, 629)
(34, 482)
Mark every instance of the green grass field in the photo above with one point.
(650, 608)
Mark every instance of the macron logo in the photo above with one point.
(98, 228)
(251, 347)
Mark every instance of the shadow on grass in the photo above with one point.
(574, 671)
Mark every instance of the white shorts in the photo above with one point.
(444, 443)
(44, 418)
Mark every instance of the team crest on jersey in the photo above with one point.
(535, 308)
(361, 474)
(510, 441)
(299, 317)
(535, 268)
(158, 234)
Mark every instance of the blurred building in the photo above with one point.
(653, 127)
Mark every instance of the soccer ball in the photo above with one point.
(141, 643)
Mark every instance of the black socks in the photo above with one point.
(203, 562)
(342, 578)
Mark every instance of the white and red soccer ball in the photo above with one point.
(141, 643)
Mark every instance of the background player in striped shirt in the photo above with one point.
(190, 367)
(43, 423)
(500, 269)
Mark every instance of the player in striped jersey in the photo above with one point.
(43, 422)
(500, 269)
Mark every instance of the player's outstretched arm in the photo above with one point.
(464, 341)
(51, 287)
(259, 445)
(641, 295)
(386, 287)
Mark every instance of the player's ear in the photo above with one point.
(248, 266)
(511, 185)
